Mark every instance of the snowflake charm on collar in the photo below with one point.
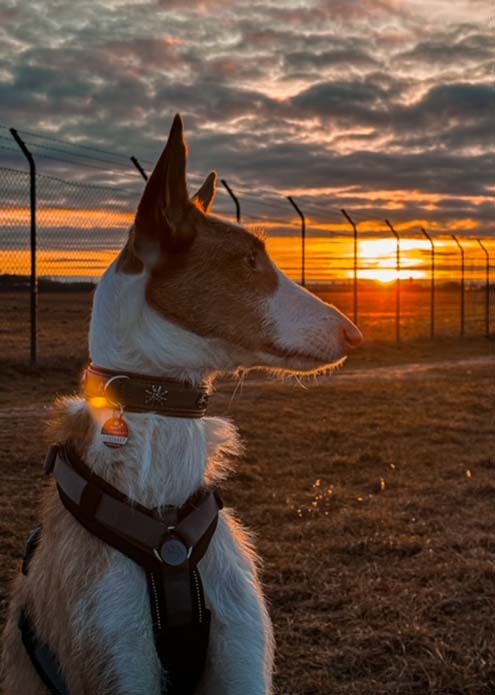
(202, 401)
(155, 394)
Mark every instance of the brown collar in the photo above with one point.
(143, 394)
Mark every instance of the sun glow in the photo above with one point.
(386, 275)
(379, 258)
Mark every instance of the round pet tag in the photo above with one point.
(115, 432)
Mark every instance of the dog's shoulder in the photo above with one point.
(70, 420)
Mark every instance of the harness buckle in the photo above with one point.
(173, 552)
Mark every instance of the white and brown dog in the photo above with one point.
(189, 295)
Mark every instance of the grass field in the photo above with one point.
(372, 496)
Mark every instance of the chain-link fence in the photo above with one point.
(79, 229)
(15, 265)
(385, 279)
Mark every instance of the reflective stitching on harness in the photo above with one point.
(198, 595)
(155, 602)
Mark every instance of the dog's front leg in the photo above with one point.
(115, 615)
(240, 655)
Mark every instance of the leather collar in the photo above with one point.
(139, 393)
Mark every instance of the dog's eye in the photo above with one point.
(252, 260)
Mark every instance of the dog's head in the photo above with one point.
(215, 281)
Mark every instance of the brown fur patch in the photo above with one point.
(211, 288)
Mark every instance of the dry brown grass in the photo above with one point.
(373, 503)
(374, 508)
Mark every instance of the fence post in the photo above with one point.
(355, 268)
(138, 166)
(397, 283)
(234, 198)
(462, 284)
(303, 239)
(487, 288)
(34, 274)
(432, 289)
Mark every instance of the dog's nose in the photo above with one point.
(352, 336)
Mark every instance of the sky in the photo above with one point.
(382, 107)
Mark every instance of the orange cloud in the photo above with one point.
(68, 217)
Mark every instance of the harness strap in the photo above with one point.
(128, 526)
(31, 544)
(42, 658)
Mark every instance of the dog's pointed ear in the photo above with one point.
(206, 195)
(165, 198)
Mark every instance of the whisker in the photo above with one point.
(238, 387)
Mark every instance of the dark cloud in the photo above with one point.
(464, 102)
(454, 46)
(329, 97)
(455, 115)
(352, 57)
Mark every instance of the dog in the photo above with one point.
(190, 296)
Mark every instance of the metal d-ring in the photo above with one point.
(113, 378)
(173, 552)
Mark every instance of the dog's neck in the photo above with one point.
(166, 459)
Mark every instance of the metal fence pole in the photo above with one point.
(303, 239)
(487, 288)
(397, 283)
(463, 308)
(34, 274)
(234, 198)
(432, 288)
(138, 166)
(355, 268)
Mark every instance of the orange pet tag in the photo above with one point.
(115, 432)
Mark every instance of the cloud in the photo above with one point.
(465, 45)
(278, 95)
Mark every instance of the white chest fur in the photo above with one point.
(166, 459)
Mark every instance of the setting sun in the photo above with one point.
(387, 275)
(378, 257)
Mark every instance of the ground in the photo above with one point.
(372, 497)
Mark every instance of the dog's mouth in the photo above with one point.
(303, 360)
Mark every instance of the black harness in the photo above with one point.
(167, 543)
